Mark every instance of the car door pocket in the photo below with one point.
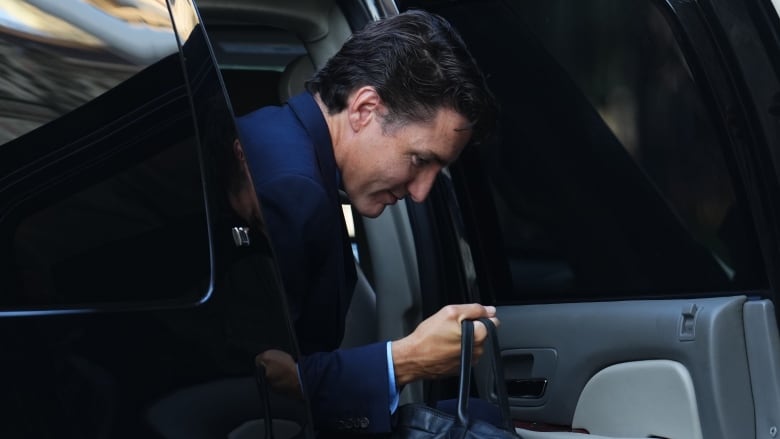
(528, 373)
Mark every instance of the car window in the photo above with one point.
(101, 191)
(48, 47)
(608, 177)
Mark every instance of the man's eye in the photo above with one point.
(419, 161)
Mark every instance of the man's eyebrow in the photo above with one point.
(430, 155)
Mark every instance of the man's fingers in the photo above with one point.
(472, 311)
(480, 331)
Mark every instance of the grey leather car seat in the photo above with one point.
(294, 77)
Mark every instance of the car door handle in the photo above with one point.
(526, 388)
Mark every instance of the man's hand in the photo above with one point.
(432, 350)
(280, 371)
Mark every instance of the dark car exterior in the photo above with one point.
(123, 286)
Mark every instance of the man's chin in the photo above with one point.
(371, 211)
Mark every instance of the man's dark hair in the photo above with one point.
(418, 64)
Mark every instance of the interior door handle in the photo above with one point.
(526, 388)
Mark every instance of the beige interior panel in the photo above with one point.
(640, 399)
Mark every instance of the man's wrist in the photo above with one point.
(403, 362)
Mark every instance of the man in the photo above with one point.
(382, 118)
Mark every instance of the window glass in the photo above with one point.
(608, 176)
(136, 236)
(102, 203)
(58, 55)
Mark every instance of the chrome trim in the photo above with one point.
(241, 236)
(381, 8)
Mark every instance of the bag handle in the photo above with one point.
(464, 388)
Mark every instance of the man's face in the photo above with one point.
(388, 165)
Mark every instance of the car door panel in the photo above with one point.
(591, 339)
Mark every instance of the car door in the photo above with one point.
(138, 282)
(623, 219)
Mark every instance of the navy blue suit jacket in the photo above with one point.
(291, 160)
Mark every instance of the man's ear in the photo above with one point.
(363, 105)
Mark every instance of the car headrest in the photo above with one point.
(294, 76)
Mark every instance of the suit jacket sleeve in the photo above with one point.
(348, 389)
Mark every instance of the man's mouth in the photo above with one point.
(394, 197)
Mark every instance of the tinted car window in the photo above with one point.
(608, 177)
(104, 202)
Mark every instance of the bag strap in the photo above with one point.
(464, 387)
(498, 374)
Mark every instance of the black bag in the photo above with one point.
(419, 421)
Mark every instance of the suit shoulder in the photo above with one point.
(275, 143)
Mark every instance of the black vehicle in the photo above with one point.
(136, 290)
(623, 221)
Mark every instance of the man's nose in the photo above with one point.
(420, 187)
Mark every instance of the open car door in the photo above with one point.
(138, 282)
